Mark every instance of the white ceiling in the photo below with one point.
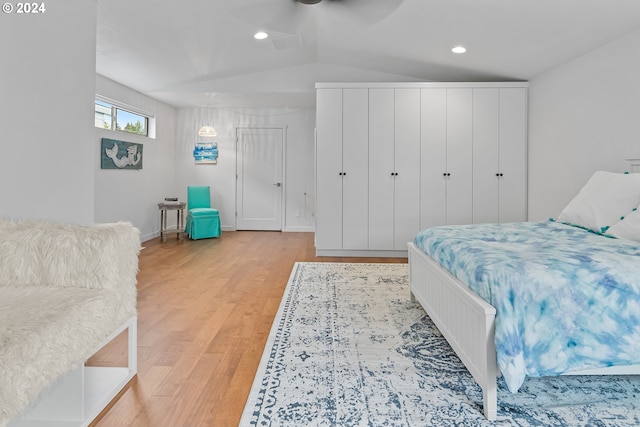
(202, 52)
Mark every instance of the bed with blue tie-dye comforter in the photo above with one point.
(566, 299)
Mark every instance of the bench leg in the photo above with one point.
(80, 395)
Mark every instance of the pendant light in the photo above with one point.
(207, 131)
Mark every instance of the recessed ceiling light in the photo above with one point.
(260, 35)
(459, 49)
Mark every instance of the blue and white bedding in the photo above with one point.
(566, 299)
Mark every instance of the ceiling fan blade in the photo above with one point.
(367, 11)
(286, 16)
(293, 16)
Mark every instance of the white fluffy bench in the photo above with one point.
(65, 291)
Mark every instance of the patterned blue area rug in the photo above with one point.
(348, 348)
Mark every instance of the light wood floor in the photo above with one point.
(205, 309)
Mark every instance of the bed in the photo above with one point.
(541, 298)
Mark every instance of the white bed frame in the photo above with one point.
(467, 322)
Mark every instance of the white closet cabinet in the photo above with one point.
(446, 156)
(499, 155)
(394, 158)
(341, 169)
(394, 167)
(433, 157)
(407, 167)
(381, 168)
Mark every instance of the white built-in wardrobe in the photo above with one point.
(394, 158)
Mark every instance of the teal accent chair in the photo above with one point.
(202, 221)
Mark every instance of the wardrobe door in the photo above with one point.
(433, 157)
(329, 169)
(459, 156)
(513, 154)
(381, 167)
(486, 168)
(407, 167)
(355, 164)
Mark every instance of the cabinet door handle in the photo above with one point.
(499, 174)
(446, 174)
(394, 173)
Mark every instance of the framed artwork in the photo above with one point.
(116, 154)
(205, 153)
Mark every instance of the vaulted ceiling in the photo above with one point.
(202, 52)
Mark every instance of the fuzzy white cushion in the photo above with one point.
(63, 290)
(604, 199)
(48, 331)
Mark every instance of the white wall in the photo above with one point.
(583, 116)
(47, 82)
(299, 159)
(133, 195)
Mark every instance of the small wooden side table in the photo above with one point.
(179, 230)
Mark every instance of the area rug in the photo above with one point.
(348, 348)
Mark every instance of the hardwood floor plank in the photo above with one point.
(205, 309)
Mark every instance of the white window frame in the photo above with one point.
(150, 118)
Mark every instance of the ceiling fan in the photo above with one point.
(285, 15)
(374, 10)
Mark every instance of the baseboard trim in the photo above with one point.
(361, 253)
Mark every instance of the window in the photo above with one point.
(114, 117)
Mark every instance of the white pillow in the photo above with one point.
(603, 201)
(628, 228)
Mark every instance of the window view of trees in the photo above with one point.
(108, 116)
(135, 128)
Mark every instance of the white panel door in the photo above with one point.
(433, 157)
(407, 167)
(513, 154)
(329, 169)
(459, 156)
(499, 155)
(259, 179)
(381, 168)
(486, 168)
(355, 162)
